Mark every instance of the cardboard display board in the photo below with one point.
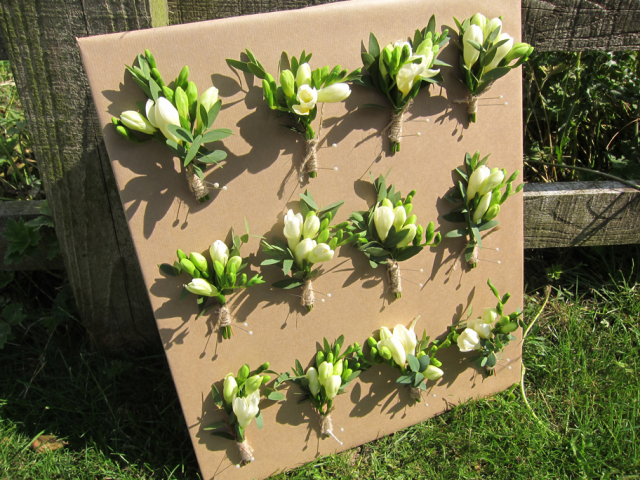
(262, 184)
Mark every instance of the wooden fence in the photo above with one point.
(39, 38)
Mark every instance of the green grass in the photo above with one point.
(121, 417)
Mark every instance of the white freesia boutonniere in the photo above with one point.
(481, 191)
(240, 403)
(488, 54)
(398, 349)
(401, 69)
(388, 233)
(175, 115)
(298, 95)
(328, 376)
(217, 279)
(488, 334)
(309, 242)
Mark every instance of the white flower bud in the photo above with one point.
(136, 121)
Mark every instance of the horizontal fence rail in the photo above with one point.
(555, 215)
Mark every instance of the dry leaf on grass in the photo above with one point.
(46, 443)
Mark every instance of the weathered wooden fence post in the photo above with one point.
(39, 38)
(98, 253)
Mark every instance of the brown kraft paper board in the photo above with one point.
(163, 215)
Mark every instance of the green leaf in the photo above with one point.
(460, 232)
(276, 396)
(418, 379)
(257, 71)
(13, 313)
(154, 89)
(286, 266)
(243, 66)
(405, 379)
(408, 252)
(382, 189)
(193, 149)
(495, 74)
(374, 46)
(455, 217)
(259, 420)
(288, 283)
(414, 364)
(184, 293)
(217, 398)
(213, 157)
(424, 360)
(488, 225)
(180, 132)
(212, 114)
(308, 199)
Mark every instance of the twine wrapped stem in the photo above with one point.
(472, 103)
(393, 274)
(224, 321)
(394, 128)
(310, 161)
(196, 185)
(415, 393)
(246, 452)
(307, 295)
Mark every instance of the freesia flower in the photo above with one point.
(475, 181)
(303, 75)
(383, 218)
(287, 81)
(219, 252)
(410, 236)
(166, 114)
(293, 228)
(490, 315)
(332, 385)
(432, 373)
(334, 93)
(230, 390)
(482, 207)
(396, 348)
(469, 340)
(491, 26)
(480, 327)
(303, 249)
(400, 216)
(320, 253)
(407, 337)
(207, 99)
(198, 261)
(200, 286)
(492, 181)
(501, 51)
(325, 370)
(479, 20)
(311, 226)
(136, 121)
(407, 76)
(246, 408)
(234, 262)
(473, 33)
(314, 382)
(252, 384)
(307, 97)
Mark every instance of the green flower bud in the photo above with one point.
(412, 193)
(168, 94)
(418, 238)
(408, 207)
(387, 203)
(338, 367)
(411, 220)
(155, 74)
(420, 354)
(509, 327)
(435, 362)
(330, 357)
(346, 374)
(319, 359)
(323, 237)
(192, 95)
(399, 203)
(287, 82)
(199, 261)
(182, 103)
(372, 342)
(492, 212)
(431, 228)
(181, 255)
(374, 352)
(243, 279)
(263, 367)
(183, 77)
(243, 373)
(150, 58)
(266, 379)
(518, 50)
(252, 384)
(324, 224)
(188, 266)
(385, 353)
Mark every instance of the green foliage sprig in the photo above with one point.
(309, 242)
(480, 191)
(400, 70)
(217, 279)
(388, 232)
(487, 53)
(239, 404)
(176, 116)
(299, 91)
(398, 350)
(488, 334)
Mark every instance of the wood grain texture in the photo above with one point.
(546, 24)
(94, 238)
(580, 213)
(581, 24)
(27, 211)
